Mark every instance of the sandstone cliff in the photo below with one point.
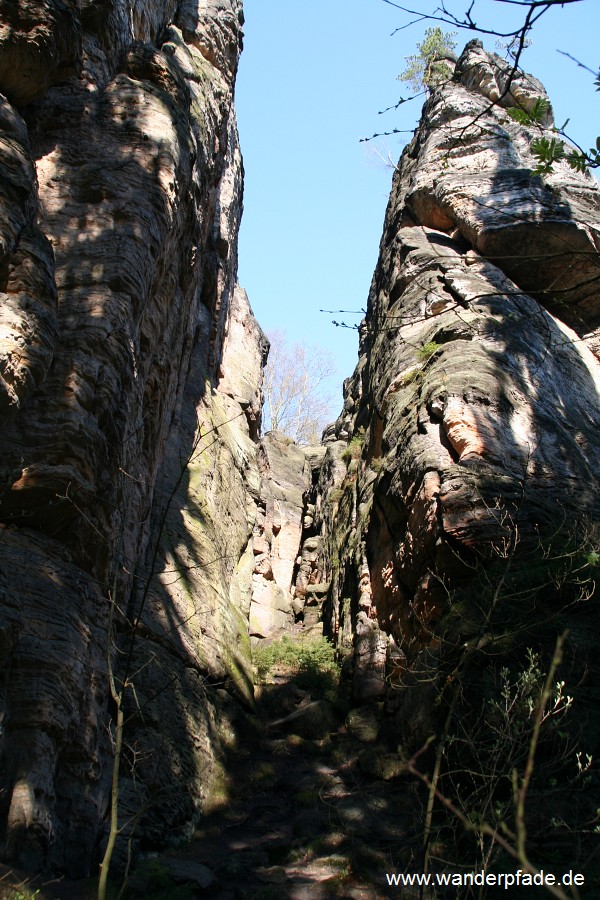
(121, 320)
(285, 479)
(471, 484)
(450, 520)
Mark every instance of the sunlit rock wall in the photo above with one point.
(473, 415)
(120, 197)
(285, 480)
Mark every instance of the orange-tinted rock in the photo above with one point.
(475, 405)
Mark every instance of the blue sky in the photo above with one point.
(312, 78)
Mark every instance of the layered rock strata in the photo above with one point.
(474, 411)
(285, 479)
(287, 545)
(128, 477)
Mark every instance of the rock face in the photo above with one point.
(120, 319)
(145, 535)
(285, 480)
(469, 172)
(474, 410)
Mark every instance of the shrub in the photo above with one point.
(310, 662)
(515, 726)
(354, 448)
(427, 350)
(427, 67)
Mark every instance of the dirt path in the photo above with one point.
(312, 809)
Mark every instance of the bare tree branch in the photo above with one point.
(296, 388)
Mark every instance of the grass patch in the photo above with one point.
(377, 464)
(414, 376)
(354, 448)
(311, 663)
(427, 350)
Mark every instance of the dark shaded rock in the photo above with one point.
(120, 202)
(378, 764)
(313, 721)
(40, 45)
(363, 722)
(187, 871)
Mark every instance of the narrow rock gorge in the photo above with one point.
(445, 534)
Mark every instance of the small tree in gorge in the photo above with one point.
(427, 67)
(297, 389)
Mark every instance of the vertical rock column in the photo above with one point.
(119, 205)
(285, 480)
(475, 406)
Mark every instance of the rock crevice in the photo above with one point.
(148, 532)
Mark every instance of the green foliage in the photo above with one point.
(548, 151)
(535, 117)
(510, 711)
(354, 448)
(581, 161)
(311, 661)
(592, 559)
(426, 68)
(427, 350)
(20, 894)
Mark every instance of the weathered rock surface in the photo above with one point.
(285, 480)
(245, 354)
(40, 45)
(120, 319)
(474, 410)
(468, 174)
(28, 314)
(143, 532)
